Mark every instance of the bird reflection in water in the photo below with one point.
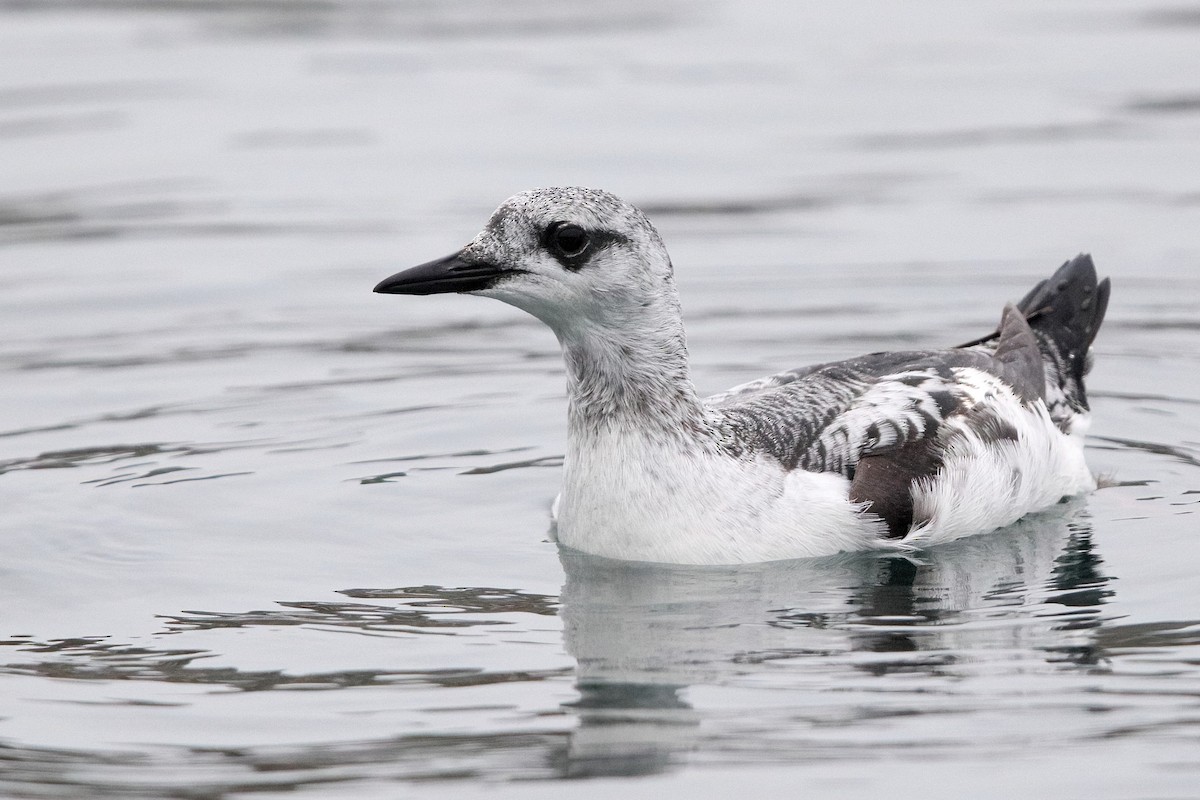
(644, 635)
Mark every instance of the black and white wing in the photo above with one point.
(879, 419)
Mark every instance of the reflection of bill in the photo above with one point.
(650, 638)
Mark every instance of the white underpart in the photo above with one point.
(985, 485)
(628, 496)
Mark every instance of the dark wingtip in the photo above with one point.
(1017, 351)
(1076, 276)
(1066, 311)
(1084, 261)
(1079, 268)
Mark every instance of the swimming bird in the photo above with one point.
(888, 450)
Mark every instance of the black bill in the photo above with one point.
(449, 274)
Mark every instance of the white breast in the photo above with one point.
(628, 496)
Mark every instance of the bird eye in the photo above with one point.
(567, 239)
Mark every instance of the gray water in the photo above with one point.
(265, 533)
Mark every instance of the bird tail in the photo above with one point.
(1065, 312)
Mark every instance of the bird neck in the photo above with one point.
(632, 374)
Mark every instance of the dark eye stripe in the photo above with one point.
(572, 245)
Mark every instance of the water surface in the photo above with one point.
(265, 532)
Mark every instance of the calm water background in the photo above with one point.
(264, 531)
